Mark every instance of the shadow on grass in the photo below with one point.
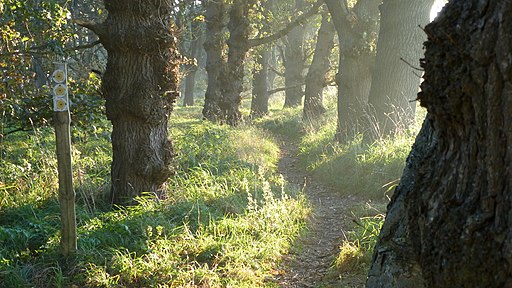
(30, 251)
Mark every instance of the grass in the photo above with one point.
(357, 249)
(226, 222)
(368, 171)
(355, 168)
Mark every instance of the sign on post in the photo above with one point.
(62, 121)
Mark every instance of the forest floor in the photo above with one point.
(310, 261)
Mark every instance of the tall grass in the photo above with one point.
(226, 221)
(370, 171)
(227, 218)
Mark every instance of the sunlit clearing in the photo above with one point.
(436, 8)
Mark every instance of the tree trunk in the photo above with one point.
(215, 64)
(272, 62)
(225, 84)
(259, 103)
(316, 77)
(190, 79)
(395, 83)
(357, 32)
(294, 63)
(232, 82)
(457, 208)
(394, 264)
(139, 85)
(354, 80)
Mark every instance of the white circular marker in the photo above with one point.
(60, 90)
(59, 76)
(61, 104)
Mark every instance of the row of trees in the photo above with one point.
(448, 224)
(379, 43)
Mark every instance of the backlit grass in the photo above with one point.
(226, 220)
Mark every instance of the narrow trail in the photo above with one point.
(314, 252)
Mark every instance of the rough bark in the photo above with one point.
(316, 77)
(395, 83)
(394, 264)
(357, 32)
(294, 63)
(259, 103)
(232, 82)
(215, 64)
(140, 87)
(457, 210)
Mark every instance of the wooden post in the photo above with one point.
(62, 121)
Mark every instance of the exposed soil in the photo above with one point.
(311, 258)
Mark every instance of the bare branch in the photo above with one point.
(274, 91)
(274, 69)
(410, 65)
(44, 49)
(97, 28)
(298, 21)
(85, 46)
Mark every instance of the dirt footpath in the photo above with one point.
(312, 255)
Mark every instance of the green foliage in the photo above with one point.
(226, 220)
(33, 34)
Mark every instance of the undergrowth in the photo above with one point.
(369, 171)
(227, 218)
(357, 248)
(226, 221)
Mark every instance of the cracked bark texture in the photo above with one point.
(451, 211)
(140, 87)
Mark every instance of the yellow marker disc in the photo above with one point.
(59, 76)
(60, 90)
(61, 104)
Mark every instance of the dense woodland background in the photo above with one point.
(256, 143)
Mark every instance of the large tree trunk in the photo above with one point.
(215, 64)
(456, 211)
(259, 103)
(294, 63)
(357, 32)
(354, 80)
(316, 77)
(139, 85)
(232, 82)
(395, 83)
(394, 263)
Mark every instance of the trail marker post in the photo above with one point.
(62, 120)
